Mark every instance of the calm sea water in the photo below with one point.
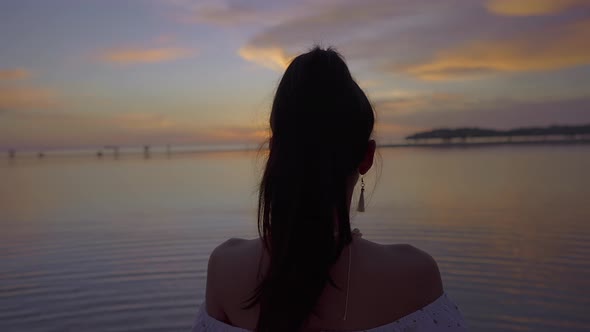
(122, 245)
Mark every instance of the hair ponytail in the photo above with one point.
(321, 122)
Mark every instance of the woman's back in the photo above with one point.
(307, 270)
(387, 282)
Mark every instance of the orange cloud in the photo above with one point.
(137, 55)
(271, 57)
(14, 74)
(27, 98)
(531, 7)
(545, 50)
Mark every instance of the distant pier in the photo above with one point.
(115, 150)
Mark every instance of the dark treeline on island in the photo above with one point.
(539, 134)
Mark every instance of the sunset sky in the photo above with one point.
(83, 73)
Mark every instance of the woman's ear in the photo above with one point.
(367, 161)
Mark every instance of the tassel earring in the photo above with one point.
(361, 207)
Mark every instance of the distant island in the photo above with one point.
(526, 134)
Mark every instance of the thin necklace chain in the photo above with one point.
(347, 281)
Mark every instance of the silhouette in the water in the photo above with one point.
(11, 153)
(41, 155)
(99, 154)
(146, 151)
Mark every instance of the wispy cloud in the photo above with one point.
(225, 14)
(368, 83)
(547, 49)
(238, 134)
(138, 55)
(232, 13)
(532, 7)
(10, 74)
(405, 102)
(16, 95)
(274, 58)
(27, 98)
(143, 121)
(85, 129)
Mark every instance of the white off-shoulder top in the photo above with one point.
(442, 315)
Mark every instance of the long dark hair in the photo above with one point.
(321, 123)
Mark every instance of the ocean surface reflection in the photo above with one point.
(122, 245)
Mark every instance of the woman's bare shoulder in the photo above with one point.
(229, 244)
(233, 256)
(408, 272)
(231, 273)
(234, 251)
(421, 265)
(414, 256)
